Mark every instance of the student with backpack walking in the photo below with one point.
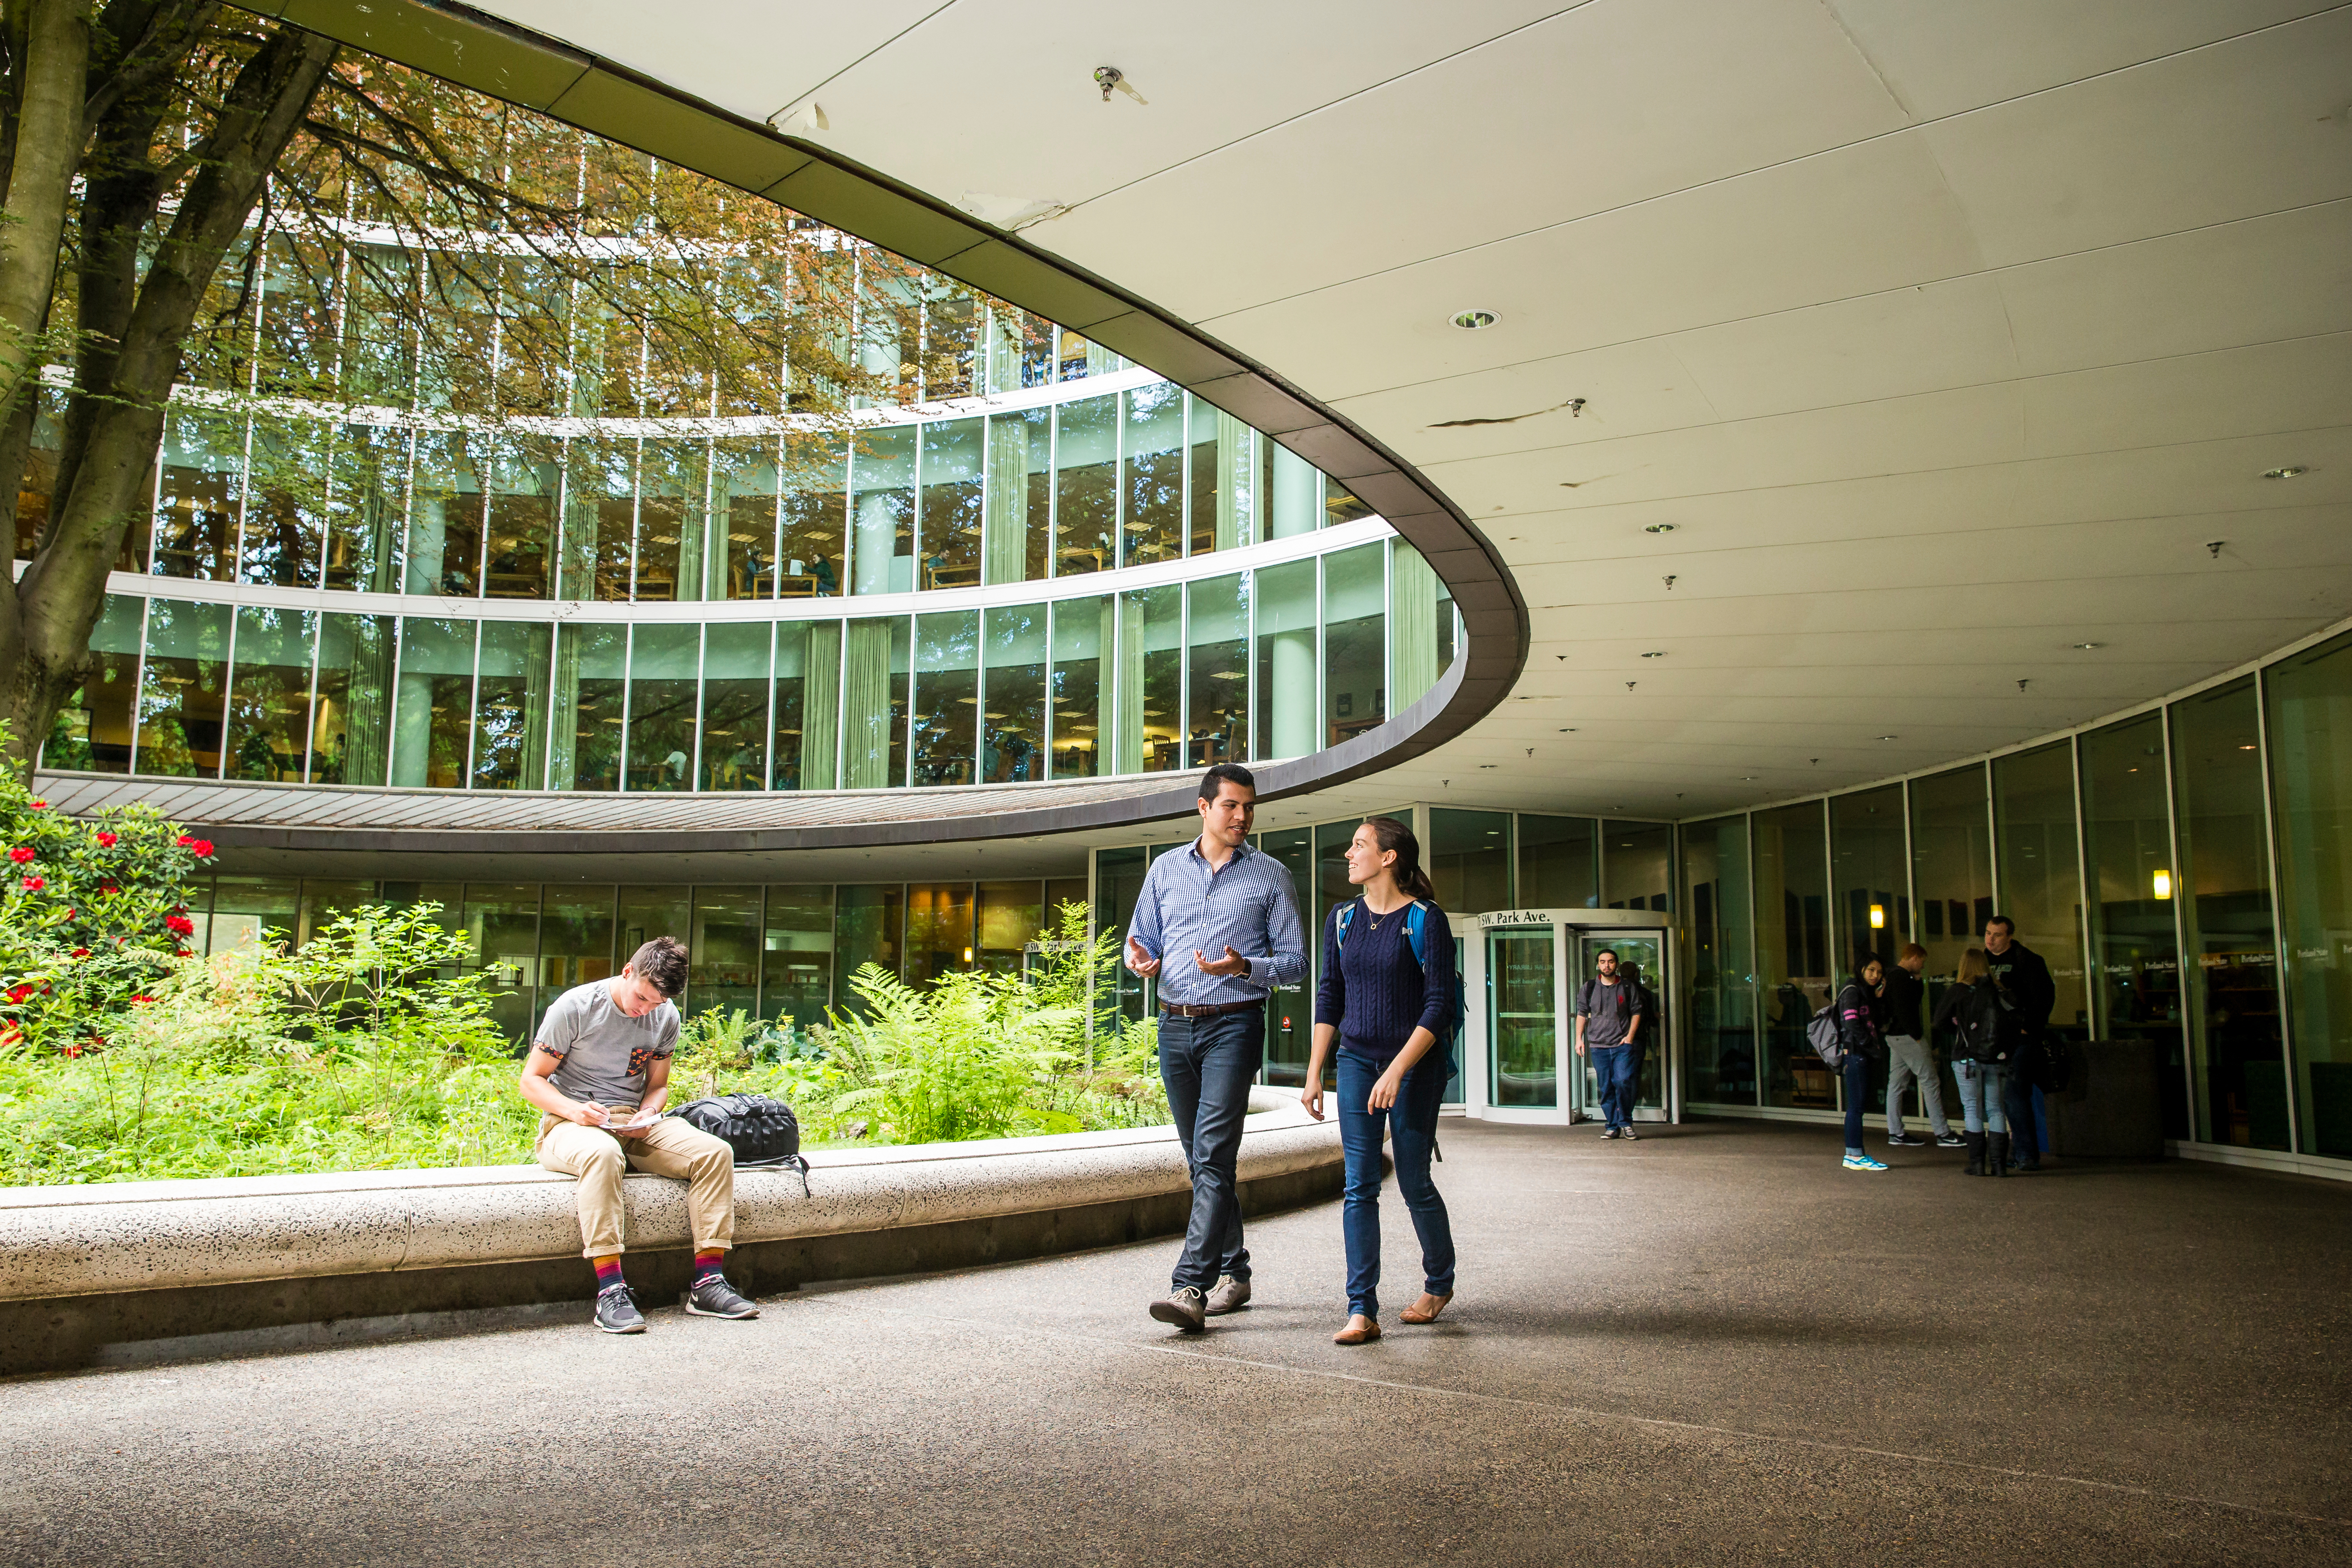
(1391, 1001)
(1856, 1010)
(1609, 1021)
(1971, 1011)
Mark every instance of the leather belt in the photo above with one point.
(1208, 1009)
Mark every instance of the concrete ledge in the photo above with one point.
(147, 1270)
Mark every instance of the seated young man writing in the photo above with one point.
(599, 1069)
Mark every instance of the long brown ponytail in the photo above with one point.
(1392, 835)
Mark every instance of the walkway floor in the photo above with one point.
(1710, 1346)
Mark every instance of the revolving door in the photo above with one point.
(1521, 971)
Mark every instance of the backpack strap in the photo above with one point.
(1415, 917)
(1345, 913)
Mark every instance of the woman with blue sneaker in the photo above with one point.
(1857, 1022)
(1387, 1001)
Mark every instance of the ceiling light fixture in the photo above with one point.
(2087, 647)
(1659, 653)
(1569, 731)
(1659, 528)
(1475, 321)
(1890, 737)
(2290, 471)
(1486, 767)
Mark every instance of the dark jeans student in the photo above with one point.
(1857, 1099)
(1618, 1069)
(1411, 1126)
(1208, 1065)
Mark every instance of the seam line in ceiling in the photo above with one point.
(816, 87)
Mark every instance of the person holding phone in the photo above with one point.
(1386, 1002)
(1217, 924)
(599, 1072)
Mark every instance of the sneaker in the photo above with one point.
(1863, 1162)
(1187, 1309)
(1231, 1295)
(1950, 1140)
(1904, 1140)
(1609, 1132)
(1627, 1133)
(616, 1312)
(712, 1297)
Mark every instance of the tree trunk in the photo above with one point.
(45, 154)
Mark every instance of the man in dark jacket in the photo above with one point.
(1910, 1052)
(2029, 993)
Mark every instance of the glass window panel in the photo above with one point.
(1118, 883)
(735, 688)
(92, 730)
(600, 519)
(1340, 506)
(1216, 724)
(1792, 951)
(521, 520)
(1217, 495)
(1079, 636)
(939, 931)
(2135, 945)
(723, 958)
(589, 664)
(951, 504)
(646, 913)
(2224, 888)
(673, 479)
(1870, 894)
(1009, 915)
(269, 699)
(870, 925)
(796, 957)
(286, 502)
(1019, 524)
(1075, 357)
(350, 733)
(378, 348)
(1012, 725)
(444, 516)
(946, 697)
(874, 703)
(808, 705)
(433, 718)
(296, 282)
(1637, 865)
(1286, 661)
(200, 490)
(511, 705)
(2310, 697)
(1153, 447)
(1558, 863)
(501, 925)
(1951, 876)
(367, 508)
(2041, 877)
(1469, 860)
(1291, 1028)
(577, 935)
(1722, 1032)
(882, 511)
(1523, 1022)
(184, 690)
(248, 909)
(951, 343)
(1355, 642)
(664, 669)
(1085, 485)
(743, 498)
(814, 517)
(1151, 681)
(1416, 652)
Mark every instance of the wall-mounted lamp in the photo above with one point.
(2162, 883)
(967, 955)
(1878, 917)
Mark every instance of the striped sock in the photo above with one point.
(709, 1261)
(608, 1270)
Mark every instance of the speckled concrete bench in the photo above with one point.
(148, 1270)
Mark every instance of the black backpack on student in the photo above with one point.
(765, 1133)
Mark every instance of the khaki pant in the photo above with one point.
(669, 1148)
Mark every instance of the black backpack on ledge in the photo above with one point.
(764, 1132)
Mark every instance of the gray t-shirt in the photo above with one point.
(603, 1050)
(1608, 1010)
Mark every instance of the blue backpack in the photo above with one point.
(1416, 925)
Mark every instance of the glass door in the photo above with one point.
(1641, 958)
(1522, 1019)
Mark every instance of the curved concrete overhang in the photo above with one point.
(479, 51)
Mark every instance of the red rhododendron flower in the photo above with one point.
(19, 993)
(81, 953)
(108, 887)
(20, 854)
(183, 952)
(106, 841)
(201, 848)
(37, 805)
(35, 884)
(73, 914)
(179, 925)
(73, 1049)
(141, 1000)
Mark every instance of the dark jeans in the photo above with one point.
(1411, 1125)
(1207, 1065)
(1857, 1098)
(2023, 1103)
(1618, 1068)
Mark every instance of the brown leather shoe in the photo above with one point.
(1360, 1331)
(1425, 1310)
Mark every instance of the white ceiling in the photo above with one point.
(1945, 334)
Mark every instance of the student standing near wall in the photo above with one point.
(1910, 1054)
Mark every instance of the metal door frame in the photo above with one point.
(1568, 926)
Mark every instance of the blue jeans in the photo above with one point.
(1413, 1133)
(1618, 1068)
(1982, 1085)
(1207, 1065)
(1857, 1097)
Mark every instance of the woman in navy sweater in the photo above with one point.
(1387, 1010)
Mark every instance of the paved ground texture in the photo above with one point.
(1711, 1345)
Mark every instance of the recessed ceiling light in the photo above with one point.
(1659, 653)
(1482, 766)
(2290, 471)
(1569, 731)
(1890, 737)
(2087, 647)
(1659, 528)
(1475, 321)
(1745, 778)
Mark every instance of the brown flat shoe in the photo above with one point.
(1425, 1310)
(1360, 1331)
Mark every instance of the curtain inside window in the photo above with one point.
(1006, 519)
(866, 702)
(1412, 629)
